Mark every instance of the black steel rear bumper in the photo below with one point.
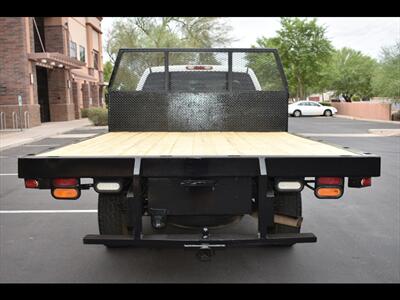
(197, 242)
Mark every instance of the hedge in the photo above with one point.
(98, 116)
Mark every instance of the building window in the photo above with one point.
(72, 50)
(82, 53)
(95, 59)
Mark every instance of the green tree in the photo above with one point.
(165, 32)
(107, 70)
(386, 78)
(174, 32)
(303, 48)
(266, 70)
(350, 73)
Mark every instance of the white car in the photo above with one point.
(310, 108)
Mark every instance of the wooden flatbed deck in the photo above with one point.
(197, 144)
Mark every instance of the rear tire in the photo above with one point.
(328, 113)
(287, 204)
(112, 215)
(297, 113)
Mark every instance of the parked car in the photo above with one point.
(310, 108)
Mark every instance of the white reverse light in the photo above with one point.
(110, 187)
(290, 185)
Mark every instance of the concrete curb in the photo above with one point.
(369, 120)
(385, 132)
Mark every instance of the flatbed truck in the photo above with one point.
(198, 138)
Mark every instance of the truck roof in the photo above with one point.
(198, 68)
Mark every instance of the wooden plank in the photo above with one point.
(198, 144)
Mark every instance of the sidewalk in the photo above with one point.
(13, 138)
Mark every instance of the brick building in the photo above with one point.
(54, 64)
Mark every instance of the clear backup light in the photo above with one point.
(289, 185)
(107, 186)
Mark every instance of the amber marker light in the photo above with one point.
(328, 192)
(68, 194)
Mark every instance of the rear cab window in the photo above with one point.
(199, 82)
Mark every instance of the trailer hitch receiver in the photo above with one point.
(205, 251)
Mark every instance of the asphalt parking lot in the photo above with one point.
(358, 235)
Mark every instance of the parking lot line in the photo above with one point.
(38, 145)
(9, 174)
(73, 135)
(48, 211)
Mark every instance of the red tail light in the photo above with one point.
(366, 181)
(359, 182)
(329, 181)
(65, 182)
(31, 183)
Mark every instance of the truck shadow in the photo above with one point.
(177, 265)
(181, 265)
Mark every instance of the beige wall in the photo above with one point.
(94, 21)
(78, 33)
(364, 110)
(86, 32)
(95, 37)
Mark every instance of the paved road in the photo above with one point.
(358, 235)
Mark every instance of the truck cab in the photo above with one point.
(199, 78)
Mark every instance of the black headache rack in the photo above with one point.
(230, 107)
(225, 103)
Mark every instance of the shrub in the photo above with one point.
(98, 116)
(84, 112)
(325, 103)
(355, 98)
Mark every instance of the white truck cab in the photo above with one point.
(194, 77)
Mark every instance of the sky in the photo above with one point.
(366, 34)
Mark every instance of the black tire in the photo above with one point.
(297, 113)
(112, 215)
(287, 204)
(328, 113)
